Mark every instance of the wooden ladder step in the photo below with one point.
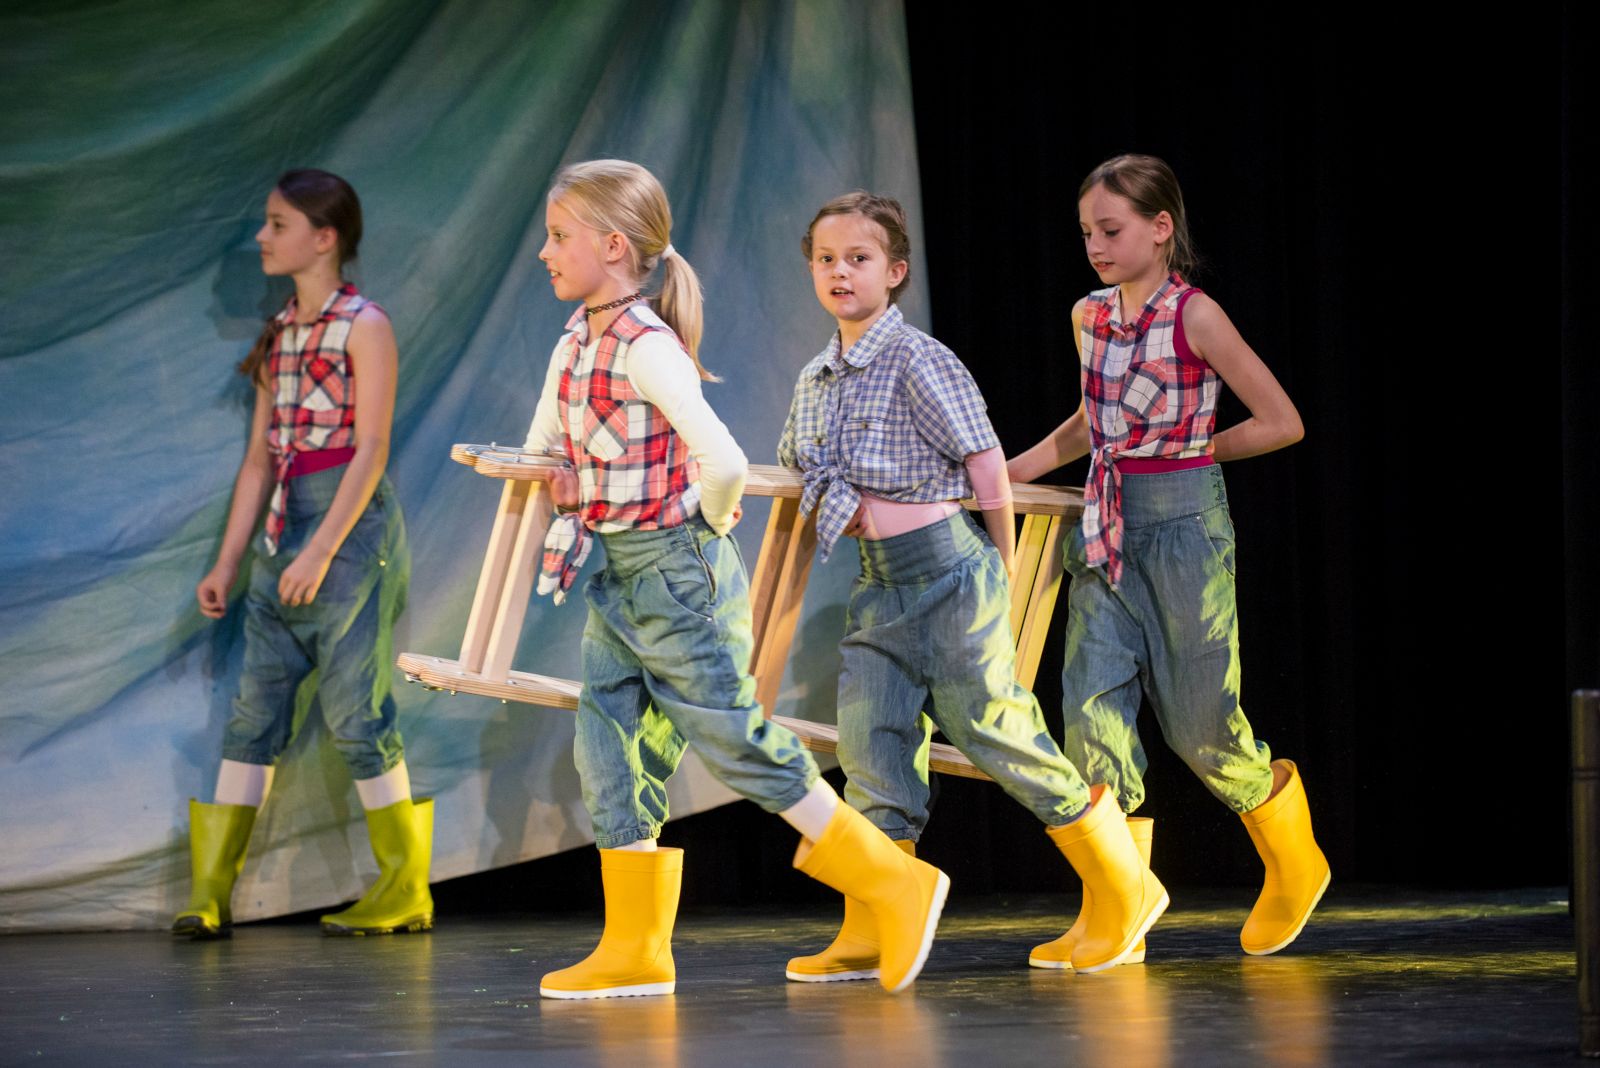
(524, 686)
(824, 738)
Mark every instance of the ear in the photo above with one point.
(897, 272)
(326, 240)
(1163, 227)
(614, 246)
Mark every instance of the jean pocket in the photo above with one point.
(1072, 557)
(1218, 527)
(366, 538)
(688, 581)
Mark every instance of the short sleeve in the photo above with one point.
(948, 410)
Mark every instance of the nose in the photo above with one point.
(261, 235)
(544, 252)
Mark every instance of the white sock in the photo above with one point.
(243, 784)
(387, 789)
(812, 813)
(643, 845)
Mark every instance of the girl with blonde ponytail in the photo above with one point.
(615, 195)
(666, 649)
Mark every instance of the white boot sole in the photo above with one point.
(829, 977)
(638, 990)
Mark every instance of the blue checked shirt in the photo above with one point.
(896, 416)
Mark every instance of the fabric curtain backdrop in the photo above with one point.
(140, 142)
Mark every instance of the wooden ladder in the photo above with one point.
(777, 589)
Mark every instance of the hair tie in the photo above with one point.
(668, 252)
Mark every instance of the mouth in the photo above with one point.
(841, 291)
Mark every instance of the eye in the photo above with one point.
(823, 257)
(1112, 233)
(861, 257)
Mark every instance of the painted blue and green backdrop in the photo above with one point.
(135, 151)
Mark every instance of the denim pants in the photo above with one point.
(346, 634)
(666, 663)
(929, 626)
(1170, 632)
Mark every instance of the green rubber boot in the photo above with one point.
(218, 835)
(402, 841)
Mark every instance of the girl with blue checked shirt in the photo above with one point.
(656, 477)
(328, 574)
(890, 433)
(1151, 612)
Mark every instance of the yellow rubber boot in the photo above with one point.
(1058, 954)
(1127, 897)
(634, 957)
(903, 894)
(218, 835)
(1297, 872)
(854, 951)
(402, 842)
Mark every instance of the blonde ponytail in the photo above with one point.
(682, 305)
(613, 195)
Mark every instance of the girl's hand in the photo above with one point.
(860, 525)
(303, 577)
(563, 483)
(212, 593)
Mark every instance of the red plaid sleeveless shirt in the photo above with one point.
(1146, 394)
(634, 471)
(314, 391)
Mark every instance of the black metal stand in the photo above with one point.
(1586, 863)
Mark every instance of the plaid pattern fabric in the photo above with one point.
(1144, 397)
(566, 547)
(895, 416)
(634, 471)
(313, 389)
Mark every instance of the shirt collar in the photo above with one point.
(292, 308)
(578, 324)
(867, 346)
(1148, 313)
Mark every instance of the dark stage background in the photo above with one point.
(1390, 210)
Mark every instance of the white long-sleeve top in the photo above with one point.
(661, 373)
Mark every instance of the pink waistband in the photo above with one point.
(886, 519)
(1153, 465)
(309, 463)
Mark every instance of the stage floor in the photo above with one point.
(1379, 975)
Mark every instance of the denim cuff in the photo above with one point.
(628, 837)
